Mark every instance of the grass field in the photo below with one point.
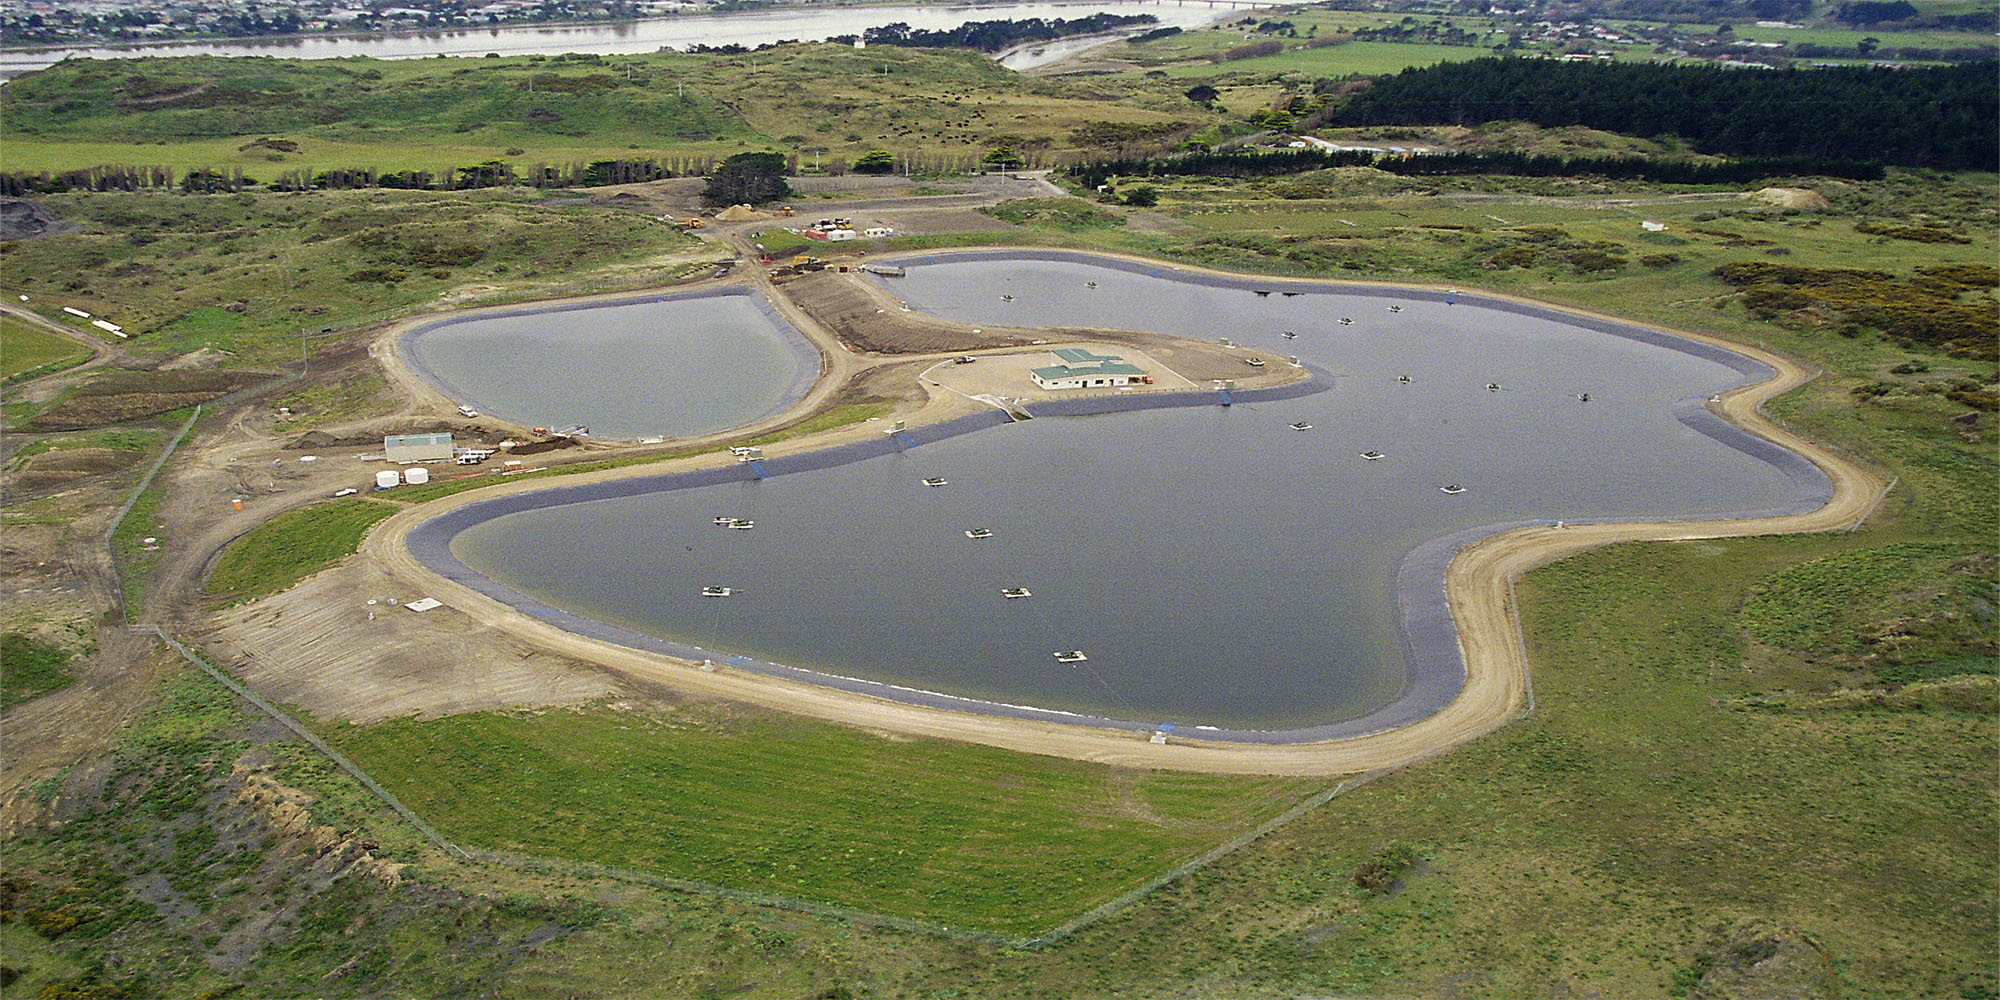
(26, 350)
(29, 668)
(292, 546)
(960, 835)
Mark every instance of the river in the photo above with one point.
(749, 28)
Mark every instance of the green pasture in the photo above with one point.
(248, 274)
(1849, 37)
(959, 835)
(27, 349)
(292, 546)
(1349, 59)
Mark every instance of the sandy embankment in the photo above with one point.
(1477, 587)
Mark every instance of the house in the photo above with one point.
(1081, 369)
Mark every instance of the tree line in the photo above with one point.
(491, 173)
(993, 36)
(1294, 161)
(1939, 117)
(1637, 168)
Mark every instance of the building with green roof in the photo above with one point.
(1082, 369)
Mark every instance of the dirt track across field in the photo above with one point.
(1478, 585)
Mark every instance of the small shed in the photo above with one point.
(404, 449)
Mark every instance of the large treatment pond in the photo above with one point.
(1217, 567)
(663, 366)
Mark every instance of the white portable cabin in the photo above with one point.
(839, 235)
(404, 449)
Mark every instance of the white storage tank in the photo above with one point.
(417, 476)
(387, 479)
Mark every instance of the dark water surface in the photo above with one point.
(1216, 566)
(672, 365)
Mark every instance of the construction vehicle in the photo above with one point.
(690, 223)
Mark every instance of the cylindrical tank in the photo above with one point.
(387, 478)
(417, 476)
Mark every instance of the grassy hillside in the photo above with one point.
(292, 546)
(246, 274)
(400, 114)
(270, 116)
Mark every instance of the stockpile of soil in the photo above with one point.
(884, 384)
(21, 219)
(538, 447)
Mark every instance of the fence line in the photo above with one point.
(1521, 645)
(110, 533)
(1870, 512)
(307, 735)
(1265, 829)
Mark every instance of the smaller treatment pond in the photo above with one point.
(1245, 567)
(676, 365)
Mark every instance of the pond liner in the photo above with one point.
(1436, 666)
(804, 355)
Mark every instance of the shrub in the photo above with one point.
(1380, 873)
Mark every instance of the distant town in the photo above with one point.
(1602, 30)
(47, 22)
